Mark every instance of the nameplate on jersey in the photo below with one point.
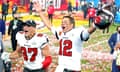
(65, 37)
(27, 45)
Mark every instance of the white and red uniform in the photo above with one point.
(31, 49)
(70, 50)
(50, 9)
(91, 12)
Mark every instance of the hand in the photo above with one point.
(3, 38)
(93, 25)
(5, 56)
(14, 55)
(36, 6)
(117, 46)
(92, 28)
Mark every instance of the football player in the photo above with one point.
(70, 41)
(33, 47)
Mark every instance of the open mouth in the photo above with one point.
(25, 31)
(63, 27)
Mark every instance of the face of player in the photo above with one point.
(29, 30)
(66, 25)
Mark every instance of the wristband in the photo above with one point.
(47, 61)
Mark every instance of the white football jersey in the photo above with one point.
(31, 49)
(71, 44)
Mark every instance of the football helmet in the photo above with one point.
(104, 17)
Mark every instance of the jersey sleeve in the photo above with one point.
(56, 32)
(84, 34)
(17, 35)
(44, 41)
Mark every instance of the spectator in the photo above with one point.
(84, 8)
(69, 8)
(3, 65)
(76, 4)
(31, 7)
(50, 11)
(91, 13)
(2, 35)
(115, 37)
(5, 6)
(114, 9)
(116, 55)
(14, 26)
(14, 9)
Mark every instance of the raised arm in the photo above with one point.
(92, 28)
(38, 9)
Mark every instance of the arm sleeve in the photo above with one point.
(17, 36)
(44, 42)
(55, 32)
(47, 62)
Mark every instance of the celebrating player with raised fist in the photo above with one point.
(70, 41)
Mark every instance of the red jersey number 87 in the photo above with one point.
(30, 50)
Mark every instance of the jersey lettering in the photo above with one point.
(30, 50)
(67, 46)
